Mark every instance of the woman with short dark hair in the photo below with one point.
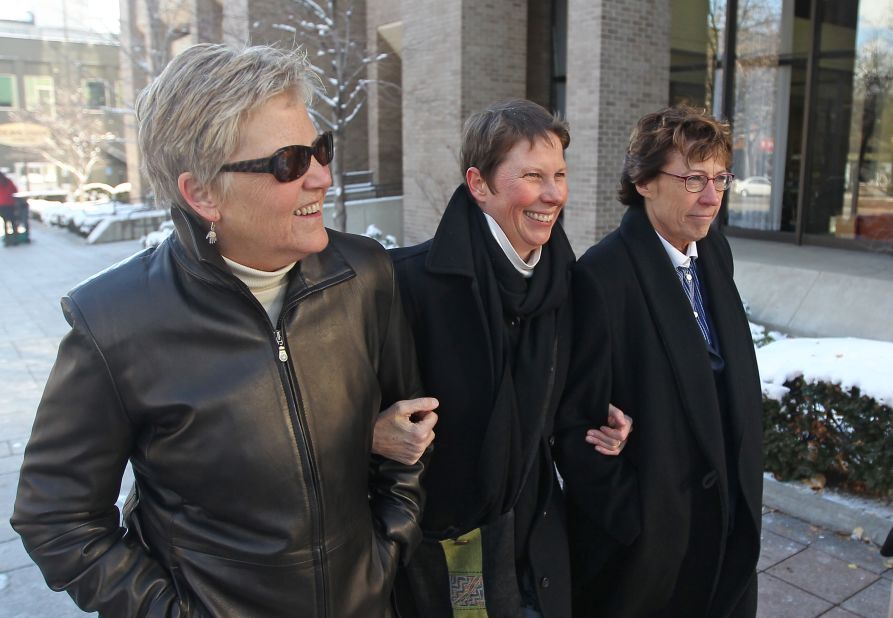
(661, 332)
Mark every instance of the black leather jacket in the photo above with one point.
(249, 441)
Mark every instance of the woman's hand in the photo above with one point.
(611, 438)
(403, 431)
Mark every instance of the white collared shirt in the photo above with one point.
(676, 256)
(525, 268)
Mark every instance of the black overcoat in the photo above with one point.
(449, 321)
(638, 346)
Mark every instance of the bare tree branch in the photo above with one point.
(342, 51)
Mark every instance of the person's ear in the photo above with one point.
(645, 189)
(477, 186)
(199, 197)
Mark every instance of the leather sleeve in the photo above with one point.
(396, 489)
(603, 487)
(70, 480)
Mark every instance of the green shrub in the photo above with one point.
(819, 428)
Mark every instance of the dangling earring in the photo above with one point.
(212, 235)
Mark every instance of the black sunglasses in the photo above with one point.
(289, 162)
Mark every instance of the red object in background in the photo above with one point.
(7, 189)
(875, 227)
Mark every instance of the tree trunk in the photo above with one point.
(340, 219)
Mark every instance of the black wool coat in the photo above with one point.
(449, 321)
(632, 518)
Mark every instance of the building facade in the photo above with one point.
(153, 31)
(805, 83)
(59, 99)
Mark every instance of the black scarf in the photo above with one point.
(522, 317)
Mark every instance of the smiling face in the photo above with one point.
(677, 215)
(264, 223)
(526, 194)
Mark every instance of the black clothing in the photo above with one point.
(493, 348)
(651, 530)
(250, 441)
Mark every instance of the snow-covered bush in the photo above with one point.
(828, 411)
(821, 430)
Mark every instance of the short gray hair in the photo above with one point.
(189, 117)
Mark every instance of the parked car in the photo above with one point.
(753, 185)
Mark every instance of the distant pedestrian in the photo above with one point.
(674, 530)
(8, 190)
(239, 367)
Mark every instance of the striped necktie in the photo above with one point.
(688, 276)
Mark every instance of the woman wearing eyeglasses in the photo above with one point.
(239, 367)
(661, 332)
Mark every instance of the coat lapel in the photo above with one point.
(450, 254)
(741, 374)
(680, 337)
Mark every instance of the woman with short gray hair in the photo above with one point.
(238, 367)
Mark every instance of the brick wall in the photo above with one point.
(618, 70)
(459, 56)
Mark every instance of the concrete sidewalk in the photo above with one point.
(806, 569)
(33, 278)
(815, 291)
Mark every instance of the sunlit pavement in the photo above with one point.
(33, 277)
(805, 571)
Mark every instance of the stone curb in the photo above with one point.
(803, 503)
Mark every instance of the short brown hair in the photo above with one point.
(489, 134)
(691, 131)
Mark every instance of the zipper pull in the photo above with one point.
(283, 355)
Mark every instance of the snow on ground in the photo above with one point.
(849, 362)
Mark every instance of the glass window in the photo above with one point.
(95, 93)
(696, 39)
(763, 89)
(860, 205)
(847, 184)
(7, 91)
(39, 93)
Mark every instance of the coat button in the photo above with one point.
(709, 479)
(551, 440)
(515, 321)
(544, 582)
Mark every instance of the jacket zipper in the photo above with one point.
(292, 392)
(302, 436)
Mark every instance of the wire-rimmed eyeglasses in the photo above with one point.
(695, 183)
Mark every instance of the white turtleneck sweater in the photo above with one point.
(268, 287)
